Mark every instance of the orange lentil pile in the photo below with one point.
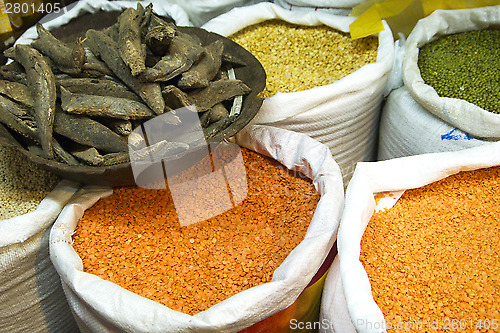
(133, 238)
(434, 256)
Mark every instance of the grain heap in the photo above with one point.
(464, 66)
(299, 57)
(434, 255)
(22, 184)
(135, 242)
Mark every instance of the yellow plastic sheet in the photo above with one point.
(402, 15)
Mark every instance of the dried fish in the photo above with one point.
(62, 155)
(217, 92)
(103, 106)
(89, 156)
(213, 129)
(205, 118)
(115, 158)
(22, 122)
(205, 69)
(42, 85)
(132, 51)
(141, 11)
(176, 98)
(221, 75)
(17, 91)
(112, 31)
(136, 141)
(95, 67)
(146, 19)
(183, 51)
(216, 113)
(98, 86)
(68, 60)
(105, 48)
(232, 60)
(119, 126)
(13, 72)
(20, 111)
(10, 117)
(158, 151)
(159, 34)
(88, 132)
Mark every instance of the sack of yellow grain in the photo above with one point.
(126, 265)
(416, 245)
(31, 295)
(320, 82)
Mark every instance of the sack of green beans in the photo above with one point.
(320, 82)
(127, 265)
(451, 68)
(31, 296)
(416, 246)
(406, 129)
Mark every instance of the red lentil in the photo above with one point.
(434, 255)
(133, 239)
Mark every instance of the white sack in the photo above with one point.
(347, 287)
(54, 20)
(31, 296)
(335, 11)
(343, 115)
(406, 129)
(201, 11)
(326, 3)
(100, 305)
(459, 113)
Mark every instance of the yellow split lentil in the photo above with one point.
(432, 259)
(298, 57)
(133, 238)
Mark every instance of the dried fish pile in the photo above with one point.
(77, 103)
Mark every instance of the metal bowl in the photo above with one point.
(252, 74)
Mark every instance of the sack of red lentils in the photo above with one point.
(450, 68)
(417, 243)
(127, 266)
(31, 295)
(320, 82)
(406, 129)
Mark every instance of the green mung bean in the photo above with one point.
(464, 66)
(297, 57)
(22, 184)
